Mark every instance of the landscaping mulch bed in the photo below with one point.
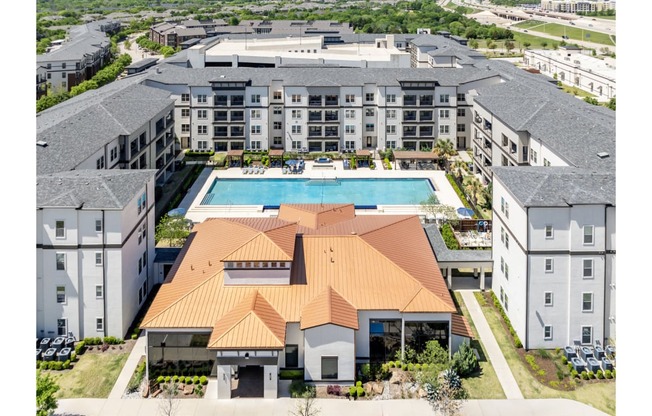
(548, 366)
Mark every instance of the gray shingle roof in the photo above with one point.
(90, 189)
(79, 127)
(575, 130)
(539, 186)
(75, 49)
(175, 75)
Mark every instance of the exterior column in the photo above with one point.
(449, 277)
(270, 375)
(402, 339)
(475, 272)
(223, 381)
(482, 278)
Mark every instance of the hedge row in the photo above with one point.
(517, 341)
(203, 380)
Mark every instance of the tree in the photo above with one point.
(612, 104)
(526, 44)
(174, 228)
(46, 387)
(433, 353)
(446, 394)
(509, 45)
(465, 362)
(473, 44)
(544, 44)
(444, 148)
(473, 188)
(169, 403)
(306, 405)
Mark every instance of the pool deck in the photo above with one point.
(199, 213)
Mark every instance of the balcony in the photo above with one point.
(486, 144)
(486, 125)
(160, 126)
(331, 116)
(426, 100)
(221, 132)
(237, 100)
(427, 132)
(410, 132)
(332, 100)
(314, 116)
(237, 132)
(237, 117)
(220, 116)
(331, 132)
(314, 132)
(409, 100)
(314, 101)
(221, 101)
(409, 116)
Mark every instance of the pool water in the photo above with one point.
(363, 193)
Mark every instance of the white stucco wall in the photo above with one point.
(329, 341)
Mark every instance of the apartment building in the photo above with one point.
(99, 157)
(569, 66)
(94, 250)
(80, 57)
(574, 6)
(321, 108)
(551, 160)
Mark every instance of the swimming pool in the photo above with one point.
(363, 193)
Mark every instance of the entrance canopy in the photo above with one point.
(276, 158)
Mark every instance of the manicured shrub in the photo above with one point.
(195, 380)
(613, 373)
(585, 375)
(564, 360)
(391, 364)
(417, 367)
(404, 367)
(160, 379)
(570, 366)
(358, 383)
(607, 374)
(175, 378)
(599, 375)
(590, 375)
(203, 380)
(465, 362)
(360, 391)
(574, 373)
(297, 388)
(352, 391)
(167, 379)
(410, 367)
(66, 365)
(80, 347)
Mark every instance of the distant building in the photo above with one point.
(574, 6)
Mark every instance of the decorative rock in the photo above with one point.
(378, 388)
(368, 388)
(421, 393)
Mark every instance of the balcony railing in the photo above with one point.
(237, 101)
(237, 132)
(408, 101)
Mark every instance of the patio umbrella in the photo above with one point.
(291, 162)
(177, 211)
(466, 212)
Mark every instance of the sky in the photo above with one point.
(19, 188)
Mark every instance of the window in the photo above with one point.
(142, 202)
(369, 127)
(369, 112)
(296, 98)
(504, 139)
(502, 264)
(349, 129)
(549, 265)
(292, 356)
(98, 258)
(329, 368)
(547, 298)
(255, 98)
(587, 268)
(549, 233)
(506, 271)
(202, 129)
(255, 129)
(349, 114)
(391, 98)
(506, 240)
(278, 110)
(99, 324)
(49, 75)
(391, 144)
(296, 130)
(349, 144)
(502, 204)
(296, 114)
(461, 112)
(185, 128)
(587, 335)
(99, 291)
(62, 327)
(185, 112)
(587, 302)
(461, 97)
(63, 75)
(61, 261)
(502, 295)
(503, 160)
(202, 114)
(278, 125)
(533, 155)
(201, 98)
(506, 209)
(444, 113)
(98, 225)
(444, 98)
(391, 114)
(444, 129)
(60, 229)
(255, 114)
(99, 163)
(502, 235)
(349, 98)
(61, 294)
(277, 95)
(296, 144)
(547, 332)
(506, 303)
(461, 127)
(369, 96)
(588, 234)
(391, 129)
(546, 162)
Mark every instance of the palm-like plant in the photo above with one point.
(473, 189)
(444, 148)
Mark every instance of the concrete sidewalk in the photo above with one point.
(505, 376)
(328, 407)
(128, 369)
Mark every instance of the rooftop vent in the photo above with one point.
(603, 155)
(41, 143)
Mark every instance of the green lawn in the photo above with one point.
(576, 91)
(602, 396)
(485, 386)
(574, 33)
(93, 376)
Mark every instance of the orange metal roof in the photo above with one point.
(315, 216)
(329, 308)
(460, 326)
(390, 267)
(253, 323)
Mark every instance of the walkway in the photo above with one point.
(505, 376)
(128, 369)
